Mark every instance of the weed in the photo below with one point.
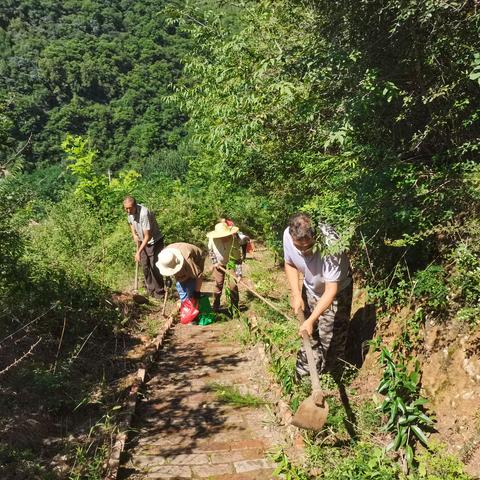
(366, 462)
(240, 331)
(90, 456)
(285, 468)
(21, 463)
(437, 464)
(336, 417)
(359, 461)
(349, 373)
(230, 394)
(368, 416)
(151, 325)
(391, 291)
(465, 279)
(284, 370)
(410, 336)
(430, 287)
(88, 464)
(300, 393)
(469, 315)
(327, 382)
(407, 418)
(320, 455)
(264, 284)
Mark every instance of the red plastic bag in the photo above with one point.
(188, 311)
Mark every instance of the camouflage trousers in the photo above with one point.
(329, 334)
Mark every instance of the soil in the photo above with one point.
(44, 418)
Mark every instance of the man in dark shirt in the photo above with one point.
(149, 242)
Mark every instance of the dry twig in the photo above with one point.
(29, 323)
(18, 360)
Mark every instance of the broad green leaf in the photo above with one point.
(419, 434)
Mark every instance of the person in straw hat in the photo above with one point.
(244, 241)
(224, 251)
(185, 262)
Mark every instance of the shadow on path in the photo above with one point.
(179, 413)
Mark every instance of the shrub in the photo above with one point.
(437, 464)
(465, 280)
(430, 287)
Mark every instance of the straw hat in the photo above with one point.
(170, 261)
(222, 230)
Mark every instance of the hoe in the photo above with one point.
(313, 411)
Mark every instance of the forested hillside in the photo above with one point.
(364, 114)
(99, 69)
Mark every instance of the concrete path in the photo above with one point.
(182, 431)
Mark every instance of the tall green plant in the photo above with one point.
(403, 404)
(307, 105)
(93, 187)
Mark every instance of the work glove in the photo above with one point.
(213, 257)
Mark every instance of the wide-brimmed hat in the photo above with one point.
(170, 261)
(222, 230)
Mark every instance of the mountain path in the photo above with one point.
(182, 431)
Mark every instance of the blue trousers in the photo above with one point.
(185, 289)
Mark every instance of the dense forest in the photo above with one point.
(364, 114)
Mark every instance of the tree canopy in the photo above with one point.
(92, 68)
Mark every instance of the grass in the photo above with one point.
(231, 395)
(333, 454)
(22, 463)
(152, 325)
(238, 330)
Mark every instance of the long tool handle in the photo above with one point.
(268, 302)
(136, 271)
(164, 301)
(312, 367)
(136, 277)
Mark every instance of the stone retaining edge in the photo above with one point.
(283, 411)
(112, 465)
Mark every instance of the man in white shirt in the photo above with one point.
(326, 294)
(149, 242)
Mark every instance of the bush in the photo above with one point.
(465, 279)
(430, 287)
(437, 464)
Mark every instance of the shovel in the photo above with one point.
(313, 411)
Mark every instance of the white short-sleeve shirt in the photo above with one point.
(144, 219)
(317, 269)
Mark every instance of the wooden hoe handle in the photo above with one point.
(263, 299)
(312, 367)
